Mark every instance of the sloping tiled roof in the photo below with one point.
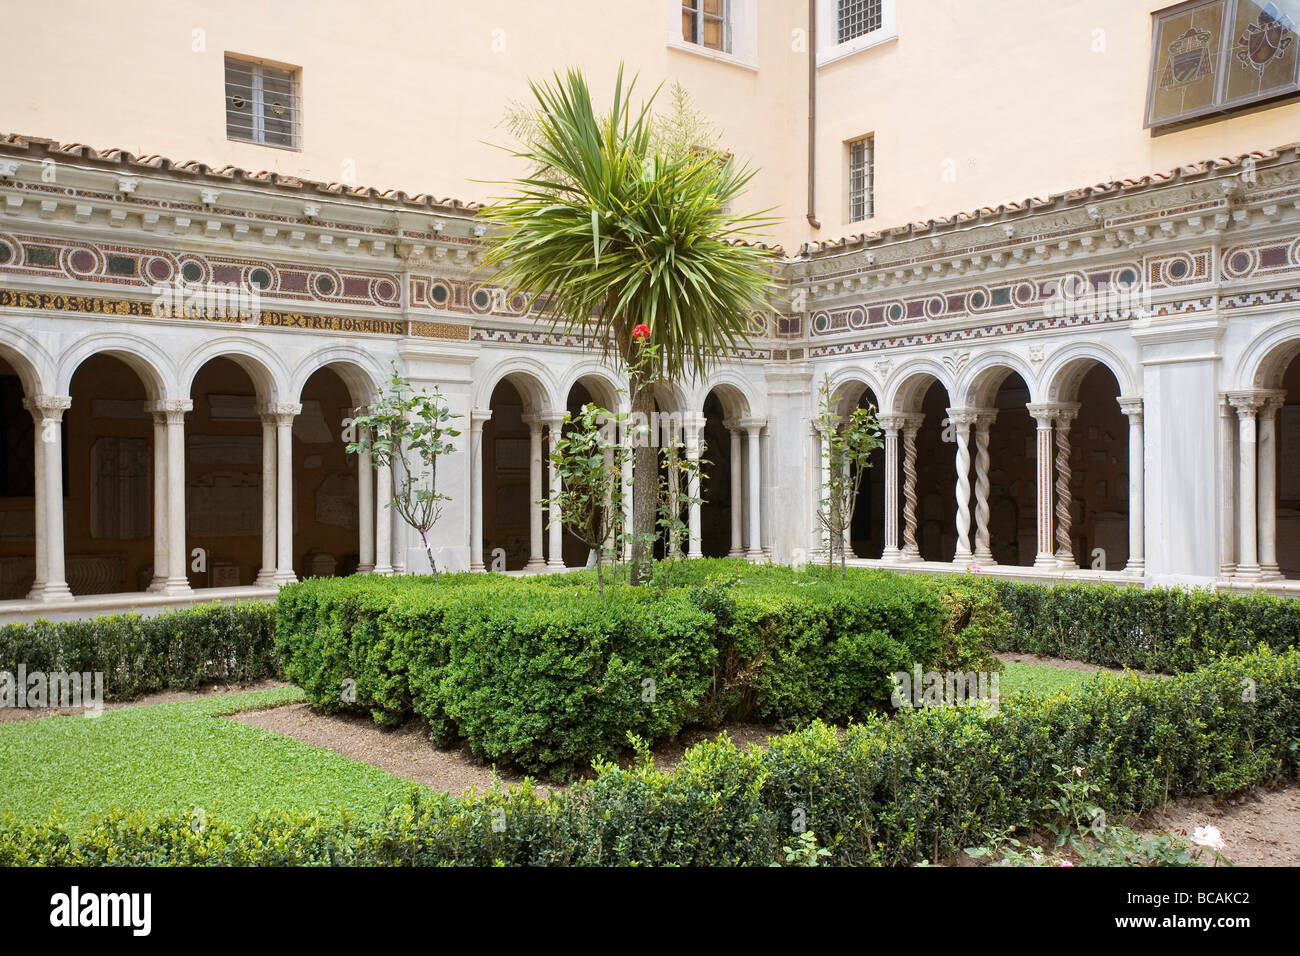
(40, 148)
(1074, 197)
(201, 172)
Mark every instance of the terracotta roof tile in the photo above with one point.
(1011, 210)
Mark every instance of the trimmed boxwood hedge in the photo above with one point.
(545, 674)
(888, 791)
(176, 650)
(1155, 629)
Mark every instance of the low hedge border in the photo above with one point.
(921, 786)
(176, 650)
(1168, 630)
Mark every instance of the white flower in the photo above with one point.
(1208, 836)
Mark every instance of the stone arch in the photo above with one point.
(359, 370)
(1068, 367)
(605, 388)
(30, 361)
(979, 385)
(148, 361)
(1264, 363)
(532, 379)
(733, 392)
(907, 387)
(263, 365)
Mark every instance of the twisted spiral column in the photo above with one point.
(1064, 546)
(984, 420)
(962, 419)
(911, 426)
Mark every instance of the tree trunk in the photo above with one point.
(645, 482)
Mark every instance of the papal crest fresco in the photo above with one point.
(1265, 40)
(1190, 59)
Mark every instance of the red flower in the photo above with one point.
(642, 331)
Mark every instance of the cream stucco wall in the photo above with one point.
(974, 103)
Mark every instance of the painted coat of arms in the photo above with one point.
(1189, 59)
(1265, 40)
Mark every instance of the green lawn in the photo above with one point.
(178, 756)
(1039, 678)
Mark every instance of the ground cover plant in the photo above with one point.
(179, 758)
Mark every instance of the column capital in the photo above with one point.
(962, 416)
(752, 424)
(1047, 412)
(1131, 406)
(478, 417)
(985, 417)
(170, 406)
(1248, 401)
(892, 422)
(48, 406)
(281, 413)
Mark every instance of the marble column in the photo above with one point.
(160, 550)
(477, 418)
(1247, 405)
(983, 548)
(385, 518)
(962, 419)
(891, 425)
(366, 514)
(266, 575)
(848, 523)
(1227, 489)
(1132, 408)
(737, 492)
(1044, 415)
(285, 413)
(911, 425)
(536, 554)
(51, 582)
(1269, 569)
(1065, 415)
(823, 486)
(753, 432)
(694, 433)
(178, 557)
(628, 441)
(554, 424)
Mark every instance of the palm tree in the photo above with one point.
(609, 232)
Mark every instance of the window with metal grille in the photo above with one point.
(853, 18)
(261, 104)
(706, 22)
(862, 161)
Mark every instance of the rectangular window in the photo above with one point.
(853, 18)
(862, 161)
(706, 22)
(1212, 56)
(261, 104)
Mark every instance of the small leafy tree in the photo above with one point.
(847, 444)
(589, 459)
(411, 428)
